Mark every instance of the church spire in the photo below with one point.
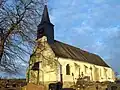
(46, 28)
(45, 15)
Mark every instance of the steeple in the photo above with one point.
(45, 15)
(46, 28)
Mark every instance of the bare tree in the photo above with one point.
(18, 24)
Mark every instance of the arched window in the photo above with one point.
(86, 69)
(67, 69)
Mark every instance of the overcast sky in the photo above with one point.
(92, 25)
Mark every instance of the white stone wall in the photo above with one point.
(74, 68)
(49, 70)
(48, 65)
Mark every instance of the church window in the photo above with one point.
(67, 69)
(105, 70)
(100, 72)
(85, 68)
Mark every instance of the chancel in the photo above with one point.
(55, 61)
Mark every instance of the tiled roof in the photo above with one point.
(67, 51)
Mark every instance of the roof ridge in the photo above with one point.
(68, 51)
(72, 46)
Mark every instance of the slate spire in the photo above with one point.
(46, 28)
(45, 15)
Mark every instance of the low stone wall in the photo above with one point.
(12, 83)
(68, 84)
(30, 86)
(114, 86)
(10, 88)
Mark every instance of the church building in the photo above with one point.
(54, 61)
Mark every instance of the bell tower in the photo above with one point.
(46, 28)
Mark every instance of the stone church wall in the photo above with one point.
(49, 68)
(95, 72)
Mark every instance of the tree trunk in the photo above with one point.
(1, 48)
(3, 38)
(1, 44)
